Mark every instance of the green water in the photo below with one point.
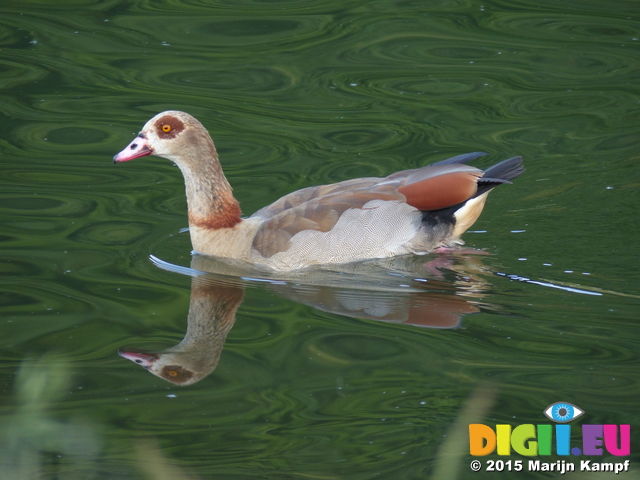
(335, 376)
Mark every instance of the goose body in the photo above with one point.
(409, 212)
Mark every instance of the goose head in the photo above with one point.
(174, 135)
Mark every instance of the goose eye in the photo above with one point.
(172, 373)
(166, 128)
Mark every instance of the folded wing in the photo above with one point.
(444, 184)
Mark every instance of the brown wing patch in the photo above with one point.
(320, 214)
(439, 310)
(441, 191)
(299, 197)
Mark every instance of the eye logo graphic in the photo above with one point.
(563, 412)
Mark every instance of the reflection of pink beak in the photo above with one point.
(144, 359)
(138, 148)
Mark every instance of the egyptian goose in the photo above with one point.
(409, 212)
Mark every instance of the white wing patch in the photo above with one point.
(379, 229)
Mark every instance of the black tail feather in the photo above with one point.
(505, 170)
(499, 173)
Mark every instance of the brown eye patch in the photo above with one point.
(176, 373)
(168, 127)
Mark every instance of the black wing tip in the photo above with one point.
(504, 171)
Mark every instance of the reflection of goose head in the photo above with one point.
(212, 312)
(165, 365)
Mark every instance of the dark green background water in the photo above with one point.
(299, 93)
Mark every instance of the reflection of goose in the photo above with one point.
(383, 290)
(412, 211)
(212, 312)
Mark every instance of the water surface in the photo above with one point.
(317, 377)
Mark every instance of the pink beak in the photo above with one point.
(138, 148)
(143, 359)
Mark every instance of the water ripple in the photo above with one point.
(299, 93)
